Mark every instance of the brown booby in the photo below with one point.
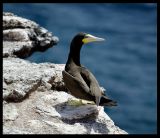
(78, 79)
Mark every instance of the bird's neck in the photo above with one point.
(74, 55)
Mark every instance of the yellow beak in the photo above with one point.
(90, 38)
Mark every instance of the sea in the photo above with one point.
(125, 64)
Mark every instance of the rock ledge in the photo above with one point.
(35, 100)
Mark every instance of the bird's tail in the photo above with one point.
(105, 101)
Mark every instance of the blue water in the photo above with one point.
(125, 64)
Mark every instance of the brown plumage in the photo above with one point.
(79, 80)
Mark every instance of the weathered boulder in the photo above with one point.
(21, 37)
(35, 99)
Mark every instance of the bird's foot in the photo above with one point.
(87, 102)
(72, 102)
(79, 102)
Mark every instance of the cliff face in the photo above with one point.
(35, 100)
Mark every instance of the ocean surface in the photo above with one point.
(125, 64)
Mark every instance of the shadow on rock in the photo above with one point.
(85, 115)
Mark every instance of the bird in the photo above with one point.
(80, 82)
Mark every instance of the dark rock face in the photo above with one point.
(35, 100)
(21, 37)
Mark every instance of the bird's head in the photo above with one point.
(84, 38)
(76, 44)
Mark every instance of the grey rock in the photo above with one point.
(16, 35)
(9, 112)
(21, 37)
(11, 21)
(8, 14)
(35, 99)
(49, 113)
(14, 49)
(14, 130)
(21, 77)
(61, 109)
(45, 110)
